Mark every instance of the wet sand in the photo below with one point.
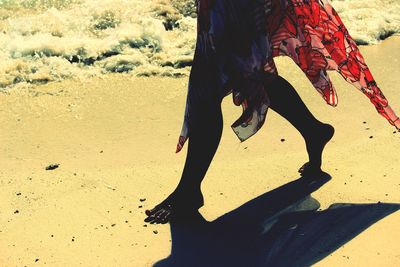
(114, 140)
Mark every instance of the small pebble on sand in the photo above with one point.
(52, 167)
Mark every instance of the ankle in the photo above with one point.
(189, 196)
(317, 131)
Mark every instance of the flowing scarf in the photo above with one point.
(237, 41)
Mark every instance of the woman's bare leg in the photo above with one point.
(205, 135)
(287, 103)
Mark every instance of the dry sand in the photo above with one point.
(114, 139)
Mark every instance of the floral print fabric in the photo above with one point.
(237, 41)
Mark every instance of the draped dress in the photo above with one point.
(237, 41)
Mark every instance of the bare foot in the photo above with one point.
(308, 170)
(173, 208)
(159, 214)
(315, 146)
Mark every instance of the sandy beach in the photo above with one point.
(114, 139)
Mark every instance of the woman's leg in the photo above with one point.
(204, 138)
(287, 103)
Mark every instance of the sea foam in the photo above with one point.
(43, 41)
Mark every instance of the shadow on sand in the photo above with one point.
(279, 228)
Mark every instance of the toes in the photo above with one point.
(149, 219)
(302, 168)
(163, 218)
(155, 216)
(160, 216)
(310, 169)
(150, 212)
(166, 218)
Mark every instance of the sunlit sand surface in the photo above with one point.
(114, 140)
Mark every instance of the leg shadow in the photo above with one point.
(282, 227)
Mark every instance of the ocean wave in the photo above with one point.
(52, 40)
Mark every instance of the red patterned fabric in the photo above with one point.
(238, 39)
(314, 36)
